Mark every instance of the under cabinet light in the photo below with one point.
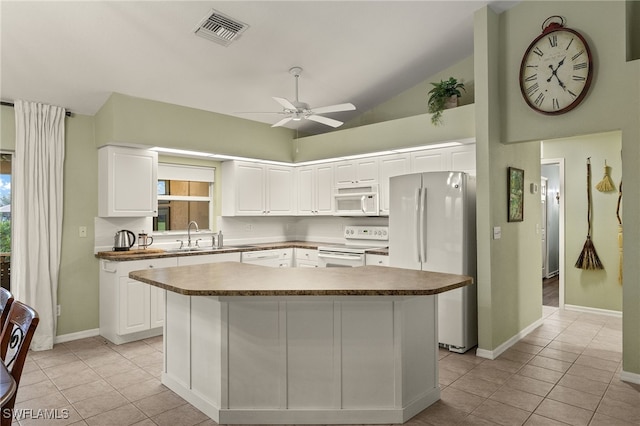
(181, 152)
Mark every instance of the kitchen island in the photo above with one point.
(250, 344)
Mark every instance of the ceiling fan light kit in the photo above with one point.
(297, 111)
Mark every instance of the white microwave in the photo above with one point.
(357, 200)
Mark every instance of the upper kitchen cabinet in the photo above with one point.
(256, 189)
(315, 190)
(127, 183)
(356, 172)
(391, 165)
(461, 158)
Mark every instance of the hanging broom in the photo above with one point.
(619, 234)
(606, 184)
(588, 258)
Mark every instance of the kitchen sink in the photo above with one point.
(198, 249)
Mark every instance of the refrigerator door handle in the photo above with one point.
(423, 225)
(418, 228)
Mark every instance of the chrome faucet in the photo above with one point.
(193, 222)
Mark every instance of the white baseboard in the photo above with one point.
(484, 353)
(589, 310)
(626, 376)
(76, 336)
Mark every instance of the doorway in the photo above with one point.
(552, 205)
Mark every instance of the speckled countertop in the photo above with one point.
(241, 279)
(150, 253)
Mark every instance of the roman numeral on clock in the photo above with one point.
(539, 99)
(577, 55)
(579, 78)
(556, 104)
(532, 77)
(538, 52)
(580, 66)
(567, 48)
(553, 40)
(532, 89)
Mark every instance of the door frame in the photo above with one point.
(561, 231)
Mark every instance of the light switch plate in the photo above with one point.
(497, 232)
(82, 232)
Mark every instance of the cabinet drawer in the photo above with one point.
(376, 259)
(307, 254)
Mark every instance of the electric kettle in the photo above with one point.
(123, 240)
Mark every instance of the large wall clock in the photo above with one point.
(556, 69)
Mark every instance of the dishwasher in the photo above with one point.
(271, 258)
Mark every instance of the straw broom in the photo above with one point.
(588, 258)
(619, 234)
(606, 184)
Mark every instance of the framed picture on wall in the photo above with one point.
(515, 181)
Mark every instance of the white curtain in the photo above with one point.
(36, 220)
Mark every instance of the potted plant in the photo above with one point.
(444, 95)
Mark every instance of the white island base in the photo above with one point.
(303, 359)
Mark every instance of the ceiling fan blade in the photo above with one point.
(324, 120)
(285, 103)
(283, 122)
(334, 108)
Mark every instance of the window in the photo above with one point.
(185, 193)
(5, 220)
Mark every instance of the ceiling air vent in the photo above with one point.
(220, 28)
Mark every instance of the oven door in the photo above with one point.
(336, 259)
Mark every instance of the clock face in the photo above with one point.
(556, 71)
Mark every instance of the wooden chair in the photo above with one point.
(6, 299)
(17, 333)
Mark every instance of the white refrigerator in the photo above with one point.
(432, 227)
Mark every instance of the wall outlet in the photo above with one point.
(58, 310)
(82, 232)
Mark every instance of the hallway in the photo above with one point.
(551, 291)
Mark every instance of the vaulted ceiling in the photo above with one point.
(76, 53)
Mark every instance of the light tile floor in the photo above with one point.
(564, 372)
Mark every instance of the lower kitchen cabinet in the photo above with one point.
(276, 258)
(376, 259)
(129, 309)
(306, 258)
(208, 258)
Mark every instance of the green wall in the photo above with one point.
(127, 119)
(78, 290)
(596, 289)
(414, 101)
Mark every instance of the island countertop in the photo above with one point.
(239, 279)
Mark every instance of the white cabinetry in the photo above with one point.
(315, 190)
(376, 259)
(391, 165)
(255, 189)
(127, 182)
(361, 171)
(208, 258)
(277, 258)
(306, 258)
(460, 159)
(129, 309)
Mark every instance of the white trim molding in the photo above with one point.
(76, 336)
(626, 376)
(589, 310)
(488, 354)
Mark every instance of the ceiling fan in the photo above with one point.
(297, 110)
